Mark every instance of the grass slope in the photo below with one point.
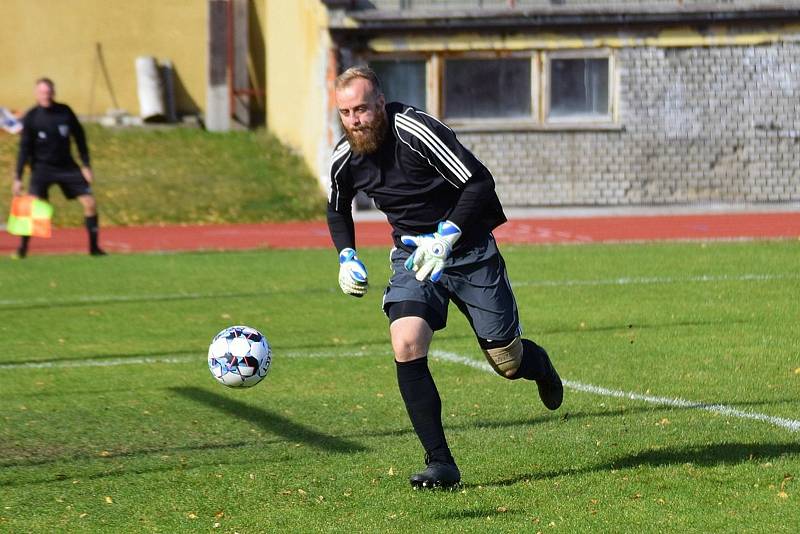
(182, 175)
(324, 443)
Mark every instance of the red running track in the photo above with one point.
(315, 234)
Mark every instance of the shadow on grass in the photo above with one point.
(70, 472)
(480, 513)
(269, 421)
(699, 455)
(633, 327)
(102, 300)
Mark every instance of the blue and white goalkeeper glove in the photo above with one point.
(352, 273)
(432, 250)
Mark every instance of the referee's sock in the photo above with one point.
(92, 227)
(22, 251)
(424, 408)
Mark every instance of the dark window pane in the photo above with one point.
(487, 88)
(578, 87)
(402, 80)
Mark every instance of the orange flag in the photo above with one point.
(30, 216)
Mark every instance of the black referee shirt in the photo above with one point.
(420, 175)
(45, 138)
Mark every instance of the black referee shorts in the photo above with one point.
(475, 281)
(68, 178)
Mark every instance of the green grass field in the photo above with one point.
(122, 428)
(183, 175)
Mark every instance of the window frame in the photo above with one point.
(540, 89)
(530, 120)
(366, 59)
(609, 118)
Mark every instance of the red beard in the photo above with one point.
(369, 138)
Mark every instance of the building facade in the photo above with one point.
(610, 103)
(568, 102)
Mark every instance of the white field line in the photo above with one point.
(108, 299)
(674, 402)
(650, 280)
(792, 425)
(167, 358)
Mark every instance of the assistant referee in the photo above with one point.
(441, 203)
(45, 145)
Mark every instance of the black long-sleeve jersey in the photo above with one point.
(420, 175)
(45, 138)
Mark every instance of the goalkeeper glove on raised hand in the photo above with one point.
(352, 273)
(432, 250)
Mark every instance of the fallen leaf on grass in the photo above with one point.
(391, 472)
(219, 514)
(502, 509)
(109, 500)
(301, 492)
(191, 515)
(104, 454)
(84, 514)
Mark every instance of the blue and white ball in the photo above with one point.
(239, 356)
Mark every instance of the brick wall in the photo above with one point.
(717, 124)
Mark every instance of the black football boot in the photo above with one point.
(551, 390)
(438, 474)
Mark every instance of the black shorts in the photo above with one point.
(476, 282)
(69, 179)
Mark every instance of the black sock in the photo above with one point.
(424, 407)
(23, 245)
(535, 362)
(92, 228)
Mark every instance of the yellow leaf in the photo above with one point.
(502, 509)
(391, 471)
(783, 495)
(191, 515)
(109, 500)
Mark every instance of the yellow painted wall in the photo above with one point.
(56, 38)
(297, 61)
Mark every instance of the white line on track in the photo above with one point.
(651, 280)
(792, 425)
(674, 402)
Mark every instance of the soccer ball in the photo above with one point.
(239, 356)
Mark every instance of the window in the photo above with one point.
(402, 80)
(577, 87)
(487, 88)
(506, 90)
